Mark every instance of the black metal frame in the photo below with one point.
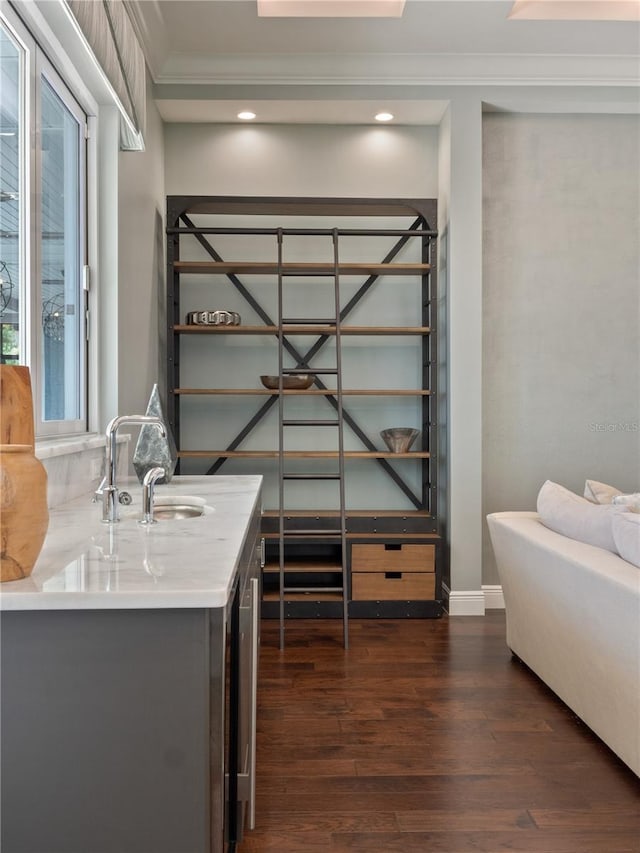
(179, 222)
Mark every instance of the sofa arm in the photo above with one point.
(573, 617)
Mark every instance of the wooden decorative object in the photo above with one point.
(24, 516)
(16, 409)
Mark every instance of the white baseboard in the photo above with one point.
(474, 602)
(493, 597)
(466, 602)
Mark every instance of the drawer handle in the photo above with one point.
(391, 576)
(392, 546)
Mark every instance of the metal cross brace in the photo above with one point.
(302, 360)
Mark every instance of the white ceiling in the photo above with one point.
(211, 58)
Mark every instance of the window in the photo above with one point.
(11, 231)
(42, 231)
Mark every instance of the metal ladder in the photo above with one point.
(286, 534)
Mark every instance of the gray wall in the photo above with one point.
(141, 204)
(301, 160)
(561, 306)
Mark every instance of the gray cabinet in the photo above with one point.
(118, 725)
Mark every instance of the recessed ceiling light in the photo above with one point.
(330, 8)
(384, 116)
(246, 115)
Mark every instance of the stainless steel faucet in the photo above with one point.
(148, 486)
(108, 488)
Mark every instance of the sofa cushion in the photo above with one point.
(626, 535)
(576, 517)
(600, 493)
(632, 502)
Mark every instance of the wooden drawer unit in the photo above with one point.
(393, 572)
(393, 557)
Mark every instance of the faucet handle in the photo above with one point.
(99, 491)
(148, 485)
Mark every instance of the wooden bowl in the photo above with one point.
(299, 382)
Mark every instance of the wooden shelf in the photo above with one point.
(184, 329)
(303, 596)
(351, 513)
(296, 268)
(382, 537)
(303, 567)
(300, 454)
(325, 392)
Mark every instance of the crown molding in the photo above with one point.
(401, 69)
(575, 10)
(148, 23)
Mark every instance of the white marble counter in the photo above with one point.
(87, 565)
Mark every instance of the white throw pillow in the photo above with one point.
(626, 535)
(575, 517)
(599, 493)
(632, 502)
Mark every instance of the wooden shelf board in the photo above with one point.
(188, 329)
(403, 537)
(350, 513)
(302, 596)
(185, 329)
(302, 454)
(296, 268)
(320, 392)
(302, 567)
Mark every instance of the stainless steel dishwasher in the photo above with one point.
(242, 687)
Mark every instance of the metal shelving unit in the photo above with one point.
(322, 541)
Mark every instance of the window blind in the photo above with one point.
(111, 38)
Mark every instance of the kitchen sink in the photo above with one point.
(173, 508)
(177, 511)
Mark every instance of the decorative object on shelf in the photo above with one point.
(219, 317)
(300, 382)
(152, 450)
(399, 439)
(24, 516)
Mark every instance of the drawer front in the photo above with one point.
(393, 586)
(393, 558)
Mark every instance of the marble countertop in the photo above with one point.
(85, 564)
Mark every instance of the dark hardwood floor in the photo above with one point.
(426, 736)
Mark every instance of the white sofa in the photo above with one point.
(573, 616)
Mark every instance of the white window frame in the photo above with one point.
(44, 70)
(38, 66)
